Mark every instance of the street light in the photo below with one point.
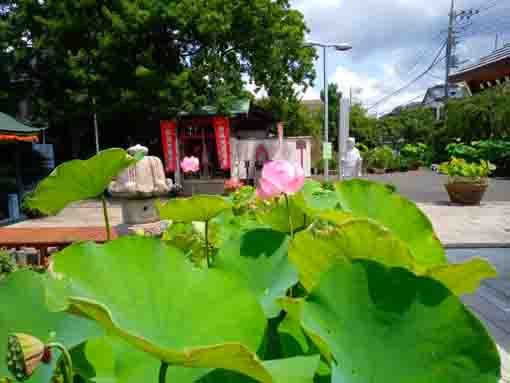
(340, 48)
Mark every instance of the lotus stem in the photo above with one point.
(291, 228)
(162, 372)
(68, 362)
(106, 218)
(207, 243)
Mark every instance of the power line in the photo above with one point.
(436, 61)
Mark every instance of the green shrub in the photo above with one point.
(7, 264)
(416, 155)
(380, 158)
(467, 171)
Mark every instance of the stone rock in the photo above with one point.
(145, 179)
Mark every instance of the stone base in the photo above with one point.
(139, 211)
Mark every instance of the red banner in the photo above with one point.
(222, 132)
(169, 141)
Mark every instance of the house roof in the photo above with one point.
(495, 57)
(9, 125)
(437, 93)
(240, 106)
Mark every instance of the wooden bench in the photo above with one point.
(47, 237)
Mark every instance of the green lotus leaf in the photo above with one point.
(23, 309)
(464, 278)
(388, 325)
(317, 249)
(300, 369)
(147, 293)
(77, 180)
(275, 214)
(114, 361)
(260, 257)
(313, 199)
(367, 199)
(197, 208)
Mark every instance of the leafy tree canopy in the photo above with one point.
(155, 56)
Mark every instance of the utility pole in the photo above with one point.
(340, 48)
(449, 43)
(326, 111)
(496, 43)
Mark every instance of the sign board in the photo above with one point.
(301, 145)
(327, 150)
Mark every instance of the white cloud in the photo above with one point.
(393, 42)
(368, 90)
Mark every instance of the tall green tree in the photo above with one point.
(334, 96)
(155, 56)
(298, 120)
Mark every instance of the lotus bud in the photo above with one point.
(24, 354)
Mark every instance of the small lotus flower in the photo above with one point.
(280, 177)
(190, 164)
(24, 355)
(233, 184)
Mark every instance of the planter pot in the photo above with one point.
(466, 193)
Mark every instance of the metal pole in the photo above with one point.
(326, 111)
(96, 130)
(340, 140)
(448, 56)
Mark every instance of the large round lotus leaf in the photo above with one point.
(197, 208)
(389, 325)
(463, 278)
(317, 249)
(148, 294)
(313, 198)
(77, 180)
(275, 214)
(300, 369)
(367, 199)
(23, 310)
(260, 257)
(114, 361)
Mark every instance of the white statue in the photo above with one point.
(145, 179)
(351, 161)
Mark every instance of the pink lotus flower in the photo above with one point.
(233, 184)
(280, 177)
(190, 164)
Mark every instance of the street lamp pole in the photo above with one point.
(326, 111)
(341, 48)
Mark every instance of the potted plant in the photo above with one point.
(467, 182)
(380, 159)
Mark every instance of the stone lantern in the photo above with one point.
(139, 186)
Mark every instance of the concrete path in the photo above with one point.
(427, 186)
(487, 225)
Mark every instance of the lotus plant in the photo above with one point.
(25, 353)
(348, 284)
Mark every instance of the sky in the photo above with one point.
(394, 41)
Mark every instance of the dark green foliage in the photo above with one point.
(381, 157)
(7, 264)
(483, 116)
(495, 151)
(155, 56)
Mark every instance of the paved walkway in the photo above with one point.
(427, 186)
